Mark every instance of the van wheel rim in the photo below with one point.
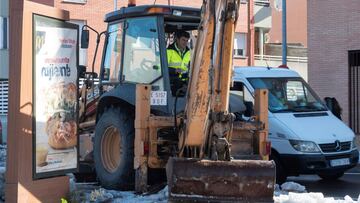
(111, 149)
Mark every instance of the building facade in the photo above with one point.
(258, 26)
(258, 29)
(4, 65)
(296, 22)
(92, 13)
(268, 41)
(334, 54)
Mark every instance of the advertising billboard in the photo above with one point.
(55, 89)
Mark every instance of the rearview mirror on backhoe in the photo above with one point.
(85, 39)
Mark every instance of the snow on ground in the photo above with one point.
(312, 197)
(103, 195)
(289, 192)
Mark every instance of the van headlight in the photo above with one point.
(353, 143)
(304, 146)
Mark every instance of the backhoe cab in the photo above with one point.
(143, 124)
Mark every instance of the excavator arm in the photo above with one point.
(204, 170)
(195, 146)
(208, 122)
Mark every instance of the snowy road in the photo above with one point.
(349, 184)
(345, 190)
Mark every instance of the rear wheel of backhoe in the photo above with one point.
(114, 149)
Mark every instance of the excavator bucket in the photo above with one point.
(192, 180)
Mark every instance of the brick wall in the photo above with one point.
(295, 20)
(93, 12)
(46, 2)
(333, 30)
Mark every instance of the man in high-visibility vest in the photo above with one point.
(178, 57)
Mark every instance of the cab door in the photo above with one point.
(139, 51)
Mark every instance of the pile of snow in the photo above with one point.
(292, 187)
(291, 192)
(81, 193)
(312, 197)
(287, 187)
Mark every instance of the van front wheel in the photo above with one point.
(281, 175)
(331, 176)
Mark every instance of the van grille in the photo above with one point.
(332, 147)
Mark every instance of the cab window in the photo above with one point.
(241, 91)
(112, 62)
(142, 62)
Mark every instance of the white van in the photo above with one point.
(306, 137)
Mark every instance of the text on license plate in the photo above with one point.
(340, 162)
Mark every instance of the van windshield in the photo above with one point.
(288, 94)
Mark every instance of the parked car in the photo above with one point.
(306, 137)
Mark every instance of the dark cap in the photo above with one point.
(182, 33)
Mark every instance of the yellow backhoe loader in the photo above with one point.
(141, 124)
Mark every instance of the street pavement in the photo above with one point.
(349, 184)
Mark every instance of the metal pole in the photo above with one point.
(115, 5)
(261, 43)
(284, 40)
(250, 44)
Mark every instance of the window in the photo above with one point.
(240, 45)
(241, 90)
(4, 33)
(82, 52)
(288, 95)
(142, 62)
(4, 90)
(242, 101)
(278, 5)
(112, 62)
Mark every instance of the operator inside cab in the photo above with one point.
(178, 57)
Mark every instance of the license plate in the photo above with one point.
(158, 98)
(340, 162)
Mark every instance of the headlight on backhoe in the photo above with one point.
(304, 146)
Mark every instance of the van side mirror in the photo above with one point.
(249, 109)
(334, 106)
(85, 39)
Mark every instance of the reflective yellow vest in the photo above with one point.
(178, 60)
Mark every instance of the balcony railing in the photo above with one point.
(279, 58)
(75, 1)
(4, 92)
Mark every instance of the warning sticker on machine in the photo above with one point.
(158, 98)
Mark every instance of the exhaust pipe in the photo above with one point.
(131, 3)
